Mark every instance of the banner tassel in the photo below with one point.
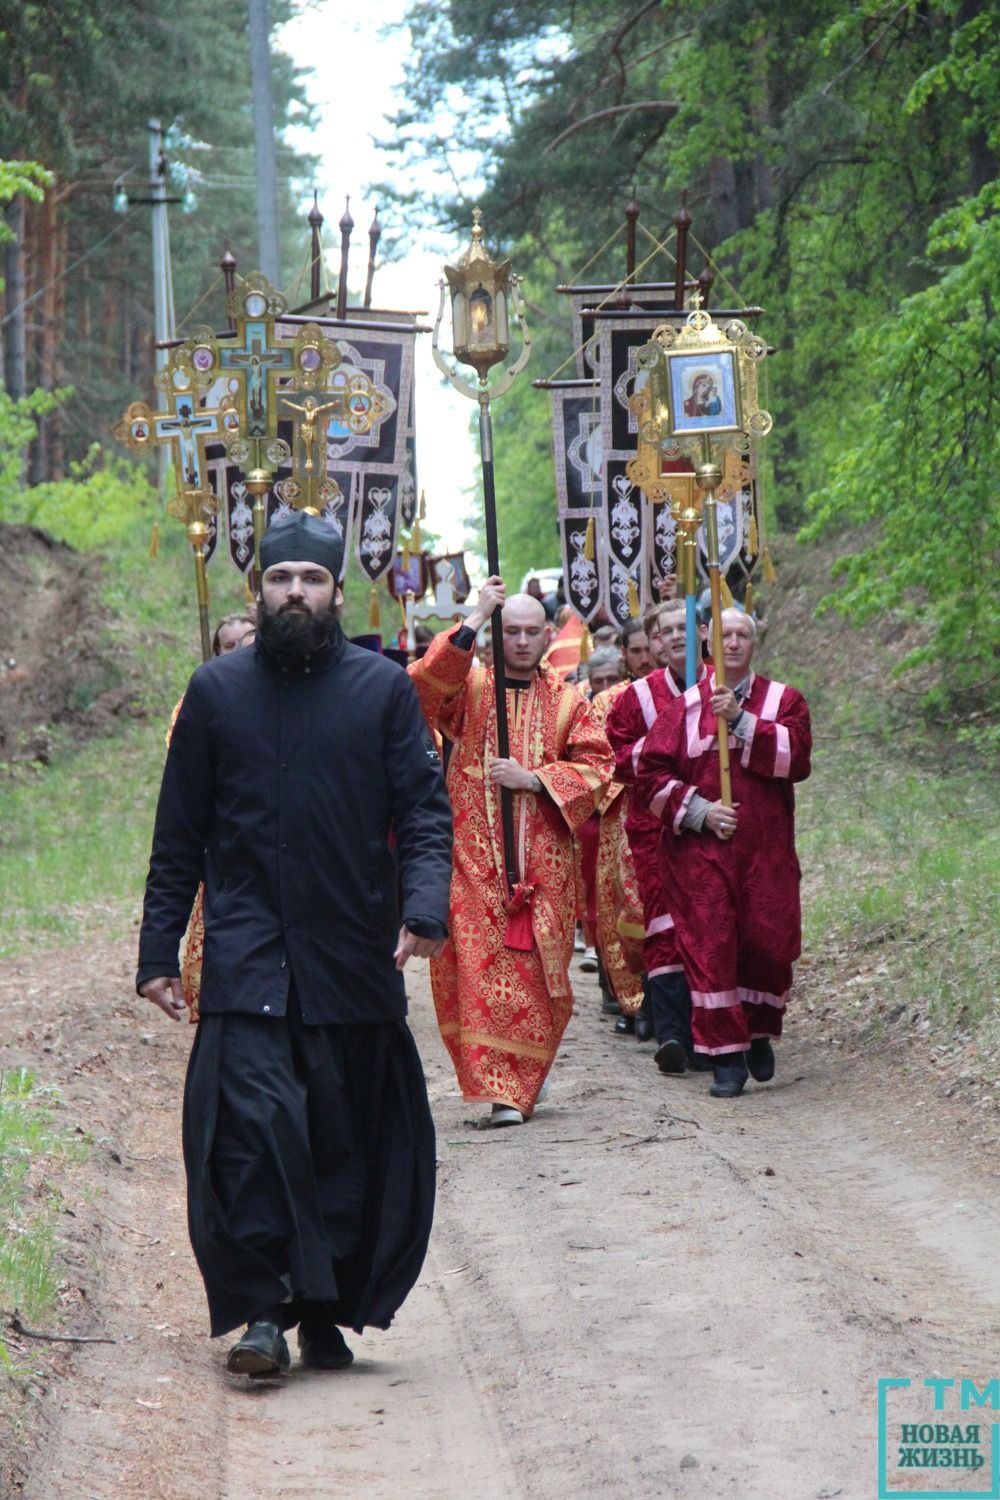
(725, 593)
(588, 543)
(753, 546)
(769, 575)
(633, 599)
(585, 646)
(416, 542)
(374, 613)
(154, 540)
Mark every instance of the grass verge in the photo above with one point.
(31, 1143)
(901, 869)
(75, 841)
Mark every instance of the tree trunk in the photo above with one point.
(16, 342)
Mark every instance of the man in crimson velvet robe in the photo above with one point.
(730, 874)
(629, 721)
(501, 986)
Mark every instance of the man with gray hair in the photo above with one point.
(730, 873)
(604, 669)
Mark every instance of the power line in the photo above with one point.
(64, 273)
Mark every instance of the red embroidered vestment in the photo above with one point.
(501, 987)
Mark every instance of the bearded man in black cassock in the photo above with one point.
(299, 787)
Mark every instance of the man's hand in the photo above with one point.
(166, 993)
(724, 704)
(510, 773)
(492, 594)
(666, 587)
(721, 820)
(409, 945)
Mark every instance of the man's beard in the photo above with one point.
(295, 632)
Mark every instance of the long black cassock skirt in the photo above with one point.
(310, 1161)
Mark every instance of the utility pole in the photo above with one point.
(163, 282)
(163, 286)
(268, 254)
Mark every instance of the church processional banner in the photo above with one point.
(374, 470)
(594, 438)
(639, 538)
(576, 433)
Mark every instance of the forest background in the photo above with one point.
(841, 166)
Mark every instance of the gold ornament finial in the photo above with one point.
(477, 250)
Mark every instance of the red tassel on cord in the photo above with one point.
(519, 934)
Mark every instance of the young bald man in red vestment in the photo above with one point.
(501, 985)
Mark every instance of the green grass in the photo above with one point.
(31, 1142)
(74, 841)
(901, 869)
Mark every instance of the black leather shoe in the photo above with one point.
(261, 1351)
(643, 1028)
(730, 1079)
(760, 1060)
(625, 1026)
(609, 1005)
(669, 1057)
(323, 1348)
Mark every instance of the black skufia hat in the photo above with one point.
(302, 538)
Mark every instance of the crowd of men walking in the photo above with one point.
(304, 816)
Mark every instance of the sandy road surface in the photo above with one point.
(645, 1292)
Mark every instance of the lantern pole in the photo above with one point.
(479, 290)
(708, 477)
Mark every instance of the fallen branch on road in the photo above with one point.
(17, 1326)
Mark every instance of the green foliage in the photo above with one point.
(27, 179)
(30, 1142)
(18, 426)
(842, 162)
(95, 507)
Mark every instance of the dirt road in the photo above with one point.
(643, 1293)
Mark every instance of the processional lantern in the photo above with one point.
(700, 402)
(480, 292)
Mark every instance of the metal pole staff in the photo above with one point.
(480, 290)
(496, 625)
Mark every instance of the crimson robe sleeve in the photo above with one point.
(780, 747)
(577, 781)
(626, 729)
(440, 678)
(660, 781)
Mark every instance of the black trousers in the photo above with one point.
(670, 1002)
(310, 1160)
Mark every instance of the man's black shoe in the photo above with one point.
(760, 1059)
(698, 1062)
(625, 1025)
(730, 1078)
(669, 1057)
(609, 1005)
(261, 1351)
(324, 1348)
(643, 1028)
